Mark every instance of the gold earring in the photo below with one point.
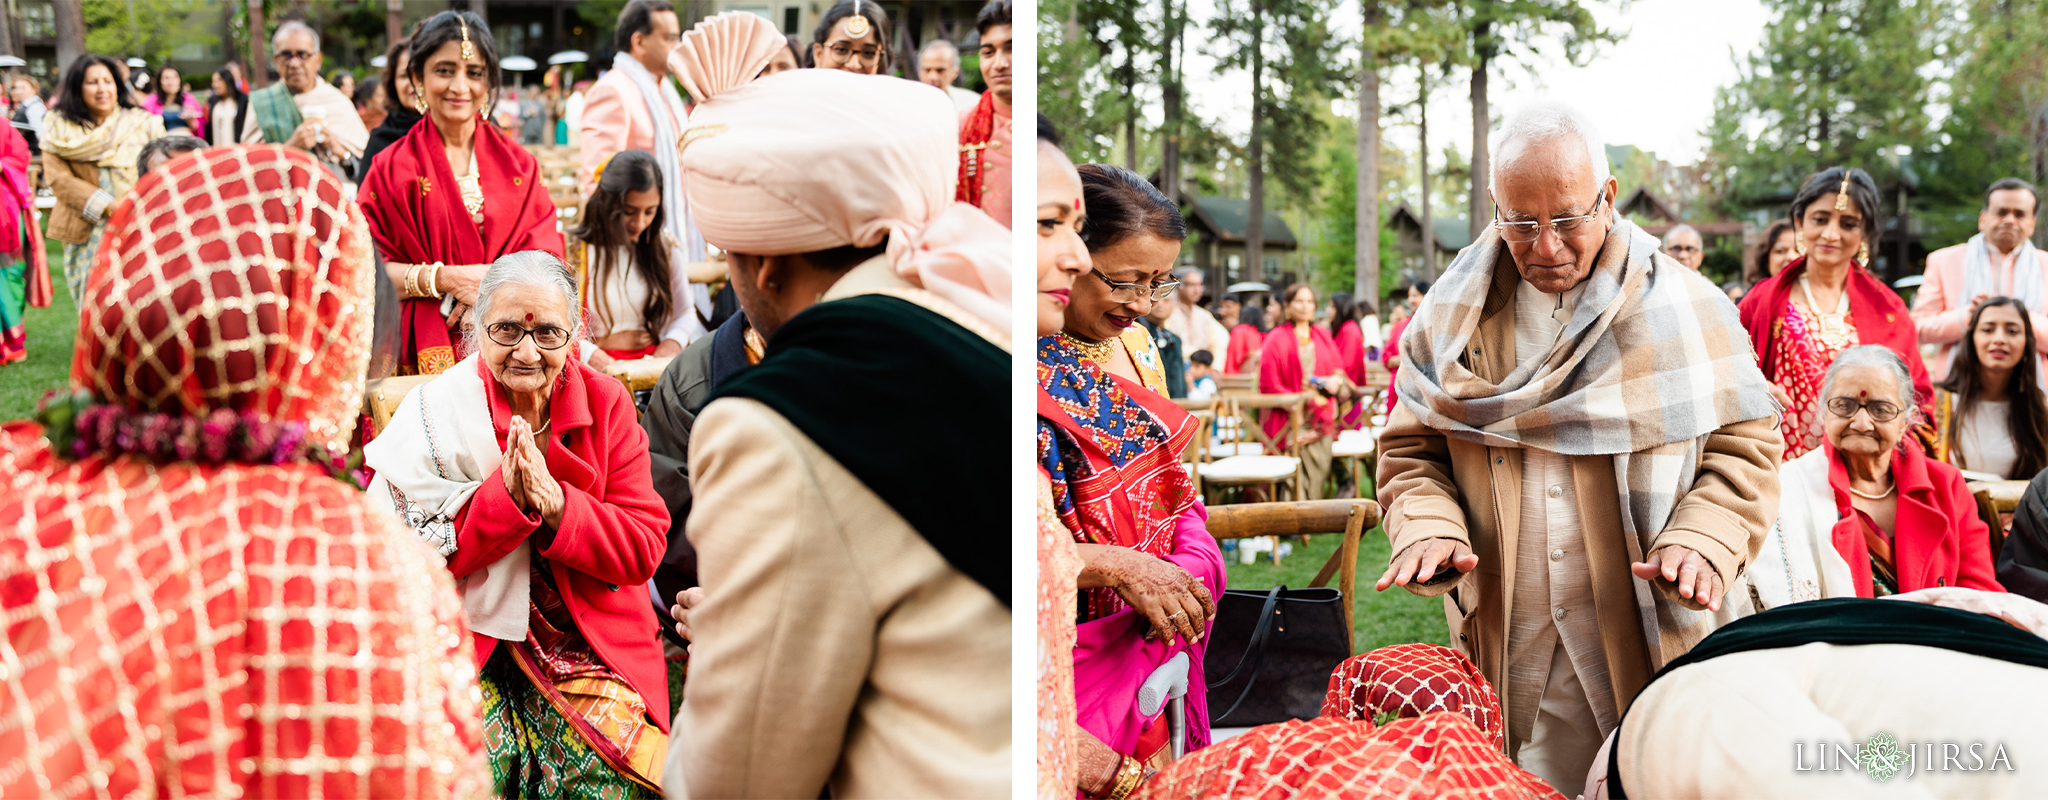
(419, 101)
(1798, 245)
(1863, 254)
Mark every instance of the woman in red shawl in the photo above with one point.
(1825, 302)
(26, 281)
(1350, 339)
(194, 604)
(1300, 357)
(451, 196)
(1245, 339)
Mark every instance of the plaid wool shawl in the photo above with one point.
(1653, 360)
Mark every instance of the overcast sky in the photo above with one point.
(1655, 89)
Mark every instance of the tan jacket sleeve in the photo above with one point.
(72, 191)
(1733, 500)
(1417, 490)
(786, 633)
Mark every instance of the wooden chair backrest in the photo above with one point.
(640, 374)
(1294, 405)
(1238, 383)
(382, 396)
(1349, 517)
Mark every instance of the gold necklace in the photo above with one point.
(1831, 327)
(1887, 492)
(1098, 352)
(472, 191)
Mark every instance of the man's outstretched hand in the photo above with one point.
(1421, 560)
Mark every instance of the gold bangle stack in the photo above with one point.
(1128, 773)
(415, 287)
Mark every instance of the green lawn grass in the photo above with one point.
(1378, 619)
(50, 335)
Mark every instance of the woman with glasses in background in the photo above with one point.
(1826, 301)
(853, 36)
(528, 472)
(1133, 236)
(1867, 514)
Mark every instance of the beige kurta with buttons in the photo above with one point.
(1436, 487)
(835, 648)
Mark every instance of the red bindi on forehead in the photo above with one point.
(529, 318)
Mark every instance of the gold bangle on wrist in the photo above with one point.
(412, 277)
(434, 281)
(1128, 773)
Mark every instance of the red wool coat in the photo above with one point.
(1937, 539)
(614, 528)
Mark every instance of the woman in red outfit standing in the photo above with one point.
(451, 196)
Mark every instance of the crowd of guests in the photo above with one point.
(1776, 468)
(735, 585)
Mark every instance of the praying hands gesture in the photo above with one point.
(526, 475)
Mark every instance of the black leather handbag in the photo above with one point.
(1271, 654)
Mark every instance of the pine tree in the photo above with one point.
(1289, 40)
(1516, 29)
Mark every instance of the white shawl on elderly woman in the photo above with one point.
(1653, 360)
(437, 451)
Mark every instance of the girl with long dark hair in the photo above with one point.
(630, 290)
(229, 105)
(1990, 415)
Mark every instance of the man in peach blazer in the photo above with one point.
(1998, 262)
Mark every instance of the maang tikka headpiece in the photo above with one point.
(857, 25)
(468, 47)
(1842, 194)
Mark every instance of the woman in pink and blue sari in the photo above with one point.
(1149, 565)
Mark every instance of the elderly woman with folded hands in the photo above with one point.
(1868, 514)
(529, 472)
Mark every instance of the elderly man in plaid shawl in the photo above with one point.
(1584, 454)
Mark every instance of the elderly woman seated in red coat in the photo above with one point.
(1868, 514)
(529, 472)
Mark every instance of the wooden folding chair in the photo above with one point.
(1237, 383)
(382, 396)
(1349, 517)
(1277, 466)
(640, 374)
(1996, 501)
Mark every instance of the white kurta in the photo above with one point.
(1557, 668)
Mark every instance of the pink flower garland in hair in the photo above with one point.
(81, 426)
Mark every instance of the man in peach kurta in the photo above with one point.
(1997, 262)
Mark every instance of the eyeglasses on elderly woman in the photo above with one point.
(546, 337)
(1880, 411)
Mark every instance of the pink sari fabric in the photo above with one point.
(1387, 356)
(1111, 658)
(1351, 357)
(1280, 373)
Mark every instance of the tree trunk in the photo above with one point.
(1481, 126)
(259, 47)
(1428, 224)
(70, 20)
(1169, 146)
(1130, 113)
(394, 23)
(7, 37)
(1366, 248)
(1255, 163)
(134, 34)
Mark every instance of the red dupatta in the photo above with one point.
(416, 216)
(1244, 341)
(1280, 373)
(1878, 313)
